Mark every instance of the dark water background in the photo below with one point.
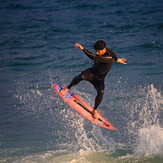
(37, 50)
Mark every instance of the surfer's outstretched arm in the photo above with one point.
(89, 54)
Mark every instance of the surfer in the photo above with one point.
(103, 61)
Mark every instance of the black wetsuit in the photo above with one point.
(96, 74)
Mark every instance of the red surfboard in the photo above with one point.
(82, 107)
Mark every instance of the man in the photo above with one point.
(103, 61)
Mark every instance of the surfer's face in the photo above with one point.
(101, 52)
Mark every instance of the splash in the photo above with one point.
(92, 139)
(87, 136)
(150, 141)
(147, 125)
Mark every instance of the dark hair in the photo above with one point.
(99, 45)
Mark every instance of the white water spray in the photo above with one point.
(148, 127)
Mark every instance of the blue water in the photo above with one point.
(37, 50)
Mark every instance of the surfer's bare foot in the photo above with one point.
(94, 114)
(63, 91)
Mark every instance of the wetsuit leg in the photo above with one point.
(99, 85)
(75, 81)
(85, 75)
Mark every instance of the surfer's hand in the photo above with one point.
(78, 46)
(122, 60)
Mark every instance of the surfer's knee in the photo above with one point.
(86, 74)
(100, 94)
(98, 98)
(82, 76)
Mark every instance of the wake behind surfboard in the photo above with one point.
(82, 107)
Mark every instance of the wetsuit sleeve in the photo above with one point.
(113, 55)
(95, 57)
(89, 54)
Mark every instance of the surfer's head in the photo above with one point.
(100, 47)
